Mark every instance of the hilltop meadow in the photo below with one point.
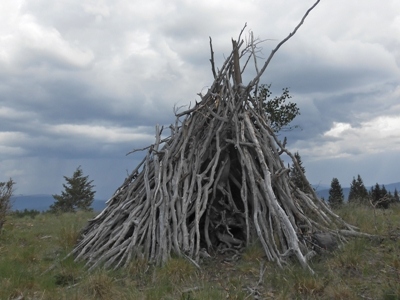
(32, 266)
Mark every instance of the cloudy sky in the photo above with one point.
(83, 82)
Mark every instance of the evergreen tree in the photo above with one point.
(396, 196)
(383, 191)
(379, 196)
(296, 176)
(77, 194)
(358, 192)
(375, 193)
(336, 196)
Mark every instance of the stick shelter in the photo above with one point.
(216, 184)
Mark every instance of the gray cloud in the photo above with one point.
(85, 82)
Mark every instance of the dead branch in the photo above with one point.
(216, 183)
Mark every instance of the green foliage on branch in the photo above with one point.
(279, 113)
(77, 194)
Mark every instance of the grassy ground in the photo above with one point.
(363, 269)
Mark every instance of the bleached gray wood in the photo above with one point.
(216, 182)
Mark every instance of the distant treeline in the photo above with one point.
(25, 213)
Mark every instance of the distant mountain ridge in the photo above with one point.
(324, 192)
(43, 202)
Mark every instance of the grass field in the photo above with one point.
(32, 267)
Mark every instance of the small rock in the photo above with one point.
(324, 242)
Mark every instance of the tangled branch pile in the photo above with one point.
(216, 183)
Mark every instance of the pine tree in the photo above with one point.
(358, 192)
(384, 192)
(379, 196)
(353, 196)
(396, 196)
(78, 194)
(296, 176)
(336, 196)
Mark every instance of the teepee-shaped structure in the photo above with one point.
(218, 181)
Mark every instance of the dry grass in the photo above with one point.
(368, 269)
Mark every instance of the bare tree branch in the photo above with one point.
(257, 78)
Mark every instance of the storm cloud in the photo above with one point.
(85, 82)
